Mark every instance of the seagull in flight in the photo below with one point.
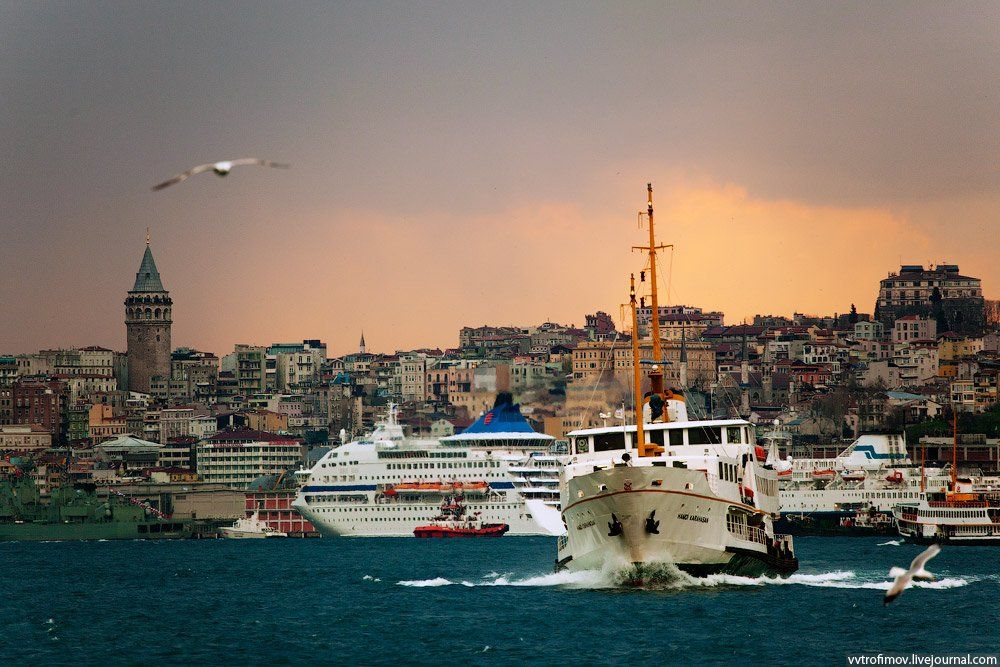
(220, 168)
(905, 577)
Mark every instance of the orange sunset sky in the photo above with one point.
(467, 164)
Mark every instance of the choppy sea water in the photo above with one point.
(470, 602)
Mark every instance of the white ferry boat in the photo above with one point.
(695, 495)
(969, 515)
(705, 502)
(387, 484)
(965, 511)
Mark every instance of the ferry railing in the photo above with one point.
(743, 531)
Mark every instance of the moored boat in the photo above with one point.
(251, 527)
(77, 512)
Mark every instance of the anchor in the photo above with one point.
(652, 525)
(614, 526)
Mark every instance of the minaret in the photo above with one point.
(361, 345)
(147, 322)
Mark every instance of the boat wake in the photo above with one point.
(841, 579)
(668, 577)
(583, 579)
(891, 543)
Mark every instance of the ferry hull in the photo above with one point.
(615, 528)
(918, 533)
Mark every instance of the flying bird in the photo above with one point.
(905, 577)
(220, 168)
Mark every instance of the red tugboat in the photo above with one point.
(453, 522)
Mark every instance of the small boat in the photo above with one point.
(828, 473)
(468, 529)
(853, 475)
(454, 522)
(250, 527)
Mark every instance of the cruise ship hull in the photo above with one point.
(642, 519)
(400, 519)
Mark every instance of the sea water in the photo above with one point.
(471, 602)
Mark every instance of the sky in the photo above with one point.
(476, 163)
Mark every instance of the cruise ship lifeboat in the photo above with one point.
(853, 475)
(828, 473)
(896, 477)
(436, 487)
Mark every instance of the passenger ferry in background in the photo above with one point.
(968, 515)
(965, 510)
(388, 484)
(698, 496)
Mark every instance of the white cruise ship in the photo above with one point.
(862, 483)
(387, 484)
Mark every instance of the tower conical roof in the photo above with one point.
(148, 278)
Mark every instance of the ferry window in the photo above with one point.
(604, 442)
(705, 435)
(676, 437)
(734, 434)
(654, 437)
(582, 445)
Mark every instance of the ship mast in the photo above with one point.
(636, 373)
(656, 373)
(954, 449)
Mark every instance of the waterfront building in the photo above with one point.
(147, 322)
(239, 456)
